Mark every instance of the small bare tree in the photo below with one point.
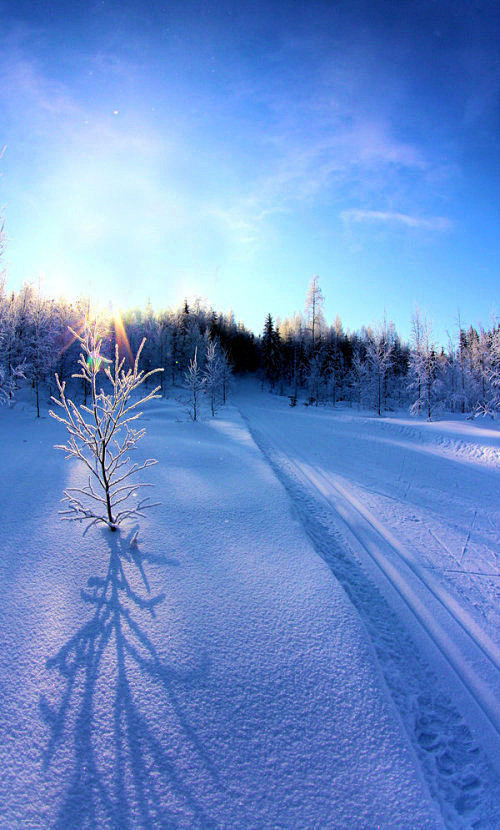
(101, 435)
(195, 383)
(212, 376)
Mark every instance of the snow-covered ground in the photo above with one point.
(306, 634)
(407, 515)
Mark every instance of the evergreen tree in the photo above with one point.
(271, 351)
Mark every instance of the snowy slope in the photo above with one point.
(216, 675)
(406, 515)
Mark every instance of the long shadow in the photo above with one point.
(120, 781)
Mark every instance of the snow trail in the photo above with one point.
(440, 666)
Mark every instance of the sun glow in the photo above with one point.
(71, 335)
(121, 336)
(114, 324)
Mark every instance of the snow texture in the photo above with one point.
(406, 515)
(207, 668)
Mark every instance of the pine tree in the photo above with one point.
(271, 351)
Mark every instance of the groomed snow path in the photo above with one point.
(406, 515)
(215, 675)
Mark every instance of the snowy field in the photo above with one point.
(306, 634)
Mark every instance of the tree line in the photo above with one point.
(374, 368)
(303, 356)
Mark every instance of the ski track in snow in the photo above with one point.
(455, 445)
(439, 665)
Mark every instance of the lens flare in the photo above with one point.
(121, 336)
(95, 360)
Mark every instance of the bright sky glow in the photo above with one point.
(232, 150)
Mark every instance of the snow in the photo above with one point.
(242, 663)
(407, 517)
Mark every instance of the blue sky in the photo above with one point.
(233, 150)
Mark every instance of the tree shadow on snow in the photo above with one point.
(125, 783)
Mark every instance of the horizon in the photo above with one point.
(109, 309)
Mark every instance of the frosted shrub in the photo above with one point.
(101, 436)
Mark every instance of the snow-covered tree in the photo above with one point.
(271, 351)
(379, 350)
(12, 364)
(164, 345)
(358, 378)
(425, 385)
(480, 347)
(8, 383)
(314, 309)
(101, 435)
(490, 405)
(314, 378)
(215, 374)
(40, 350)
(425, 368)
(195, 383)
(211, 375)
(334, 367)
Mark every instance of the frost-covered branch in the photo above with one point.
(100, 436)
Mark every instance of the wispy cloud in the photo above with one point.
(104, 169)
(429, 223)
(363, 154)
